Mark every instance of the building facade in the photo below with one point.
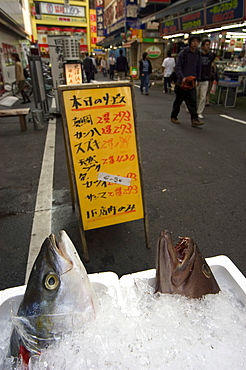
(15, 33)
(60, 18)
(136, 26)
(123, 29)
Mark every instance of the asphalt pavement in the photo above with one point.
(194, 185)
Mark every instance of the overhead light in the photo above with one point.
(197, 31)
(233, 26)
(172, 36)
(221, 28)
(210, 30)
(237, 34)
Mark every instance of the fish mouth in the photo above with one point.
(183, 249)
(59, 248)
(55, 245)
(180, 253)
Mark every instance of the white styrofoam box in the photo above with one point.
(225, 272)
(107, 282)
(103, 283)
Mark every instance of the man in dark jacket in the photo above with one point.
(121, 66)
(188, 66)
(88, 67)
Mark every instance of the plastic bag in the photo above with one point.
(213, 88)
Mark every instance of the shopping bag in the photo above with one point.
(188, 83)
(213, 88)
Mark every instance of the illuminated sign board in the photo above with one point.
(60, 9)
(192, 21)
(225, 12)
(170, 26)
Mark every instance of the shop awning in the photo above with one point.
(111, 40)
(11, 25)
(128, 43)
(99, 51)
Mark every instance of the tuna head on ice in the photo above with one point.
(182, 269)
(58, 293)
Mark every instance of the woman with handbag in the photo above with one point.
(20, 78)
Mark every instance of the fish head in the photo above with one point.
(182, 269)
(166, 262)
(58, 296)
(76, 282)
(58, 282)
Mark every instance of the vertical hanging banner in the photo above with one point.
(57, 64)
(101, 139)
(100, 17)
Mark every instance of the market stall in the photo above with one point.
(236, 71)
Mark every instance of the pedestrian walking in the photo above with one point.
(202, 88)
(188, 71)
(104, 66)
(168, 66)
(94, 67)
(145, 69)
(213, 78)
(121, 66)
(112, 62)
(20, 78)
(88, 67)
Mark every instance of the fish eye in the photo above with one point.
(206, 270)
(51, 281)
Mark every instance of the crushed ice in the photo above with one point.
(150, 331)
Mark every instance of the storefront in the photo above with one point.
(222, 22)
(118, 17)
(14, 35)
(209, 19)
(43, 32)
(124, 31)
(55, 18)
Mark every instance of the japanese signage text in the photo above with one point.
(101, 131)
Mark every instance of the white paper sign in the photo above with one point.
(114, 178)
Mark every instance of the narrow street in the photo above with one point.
(194, 185)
